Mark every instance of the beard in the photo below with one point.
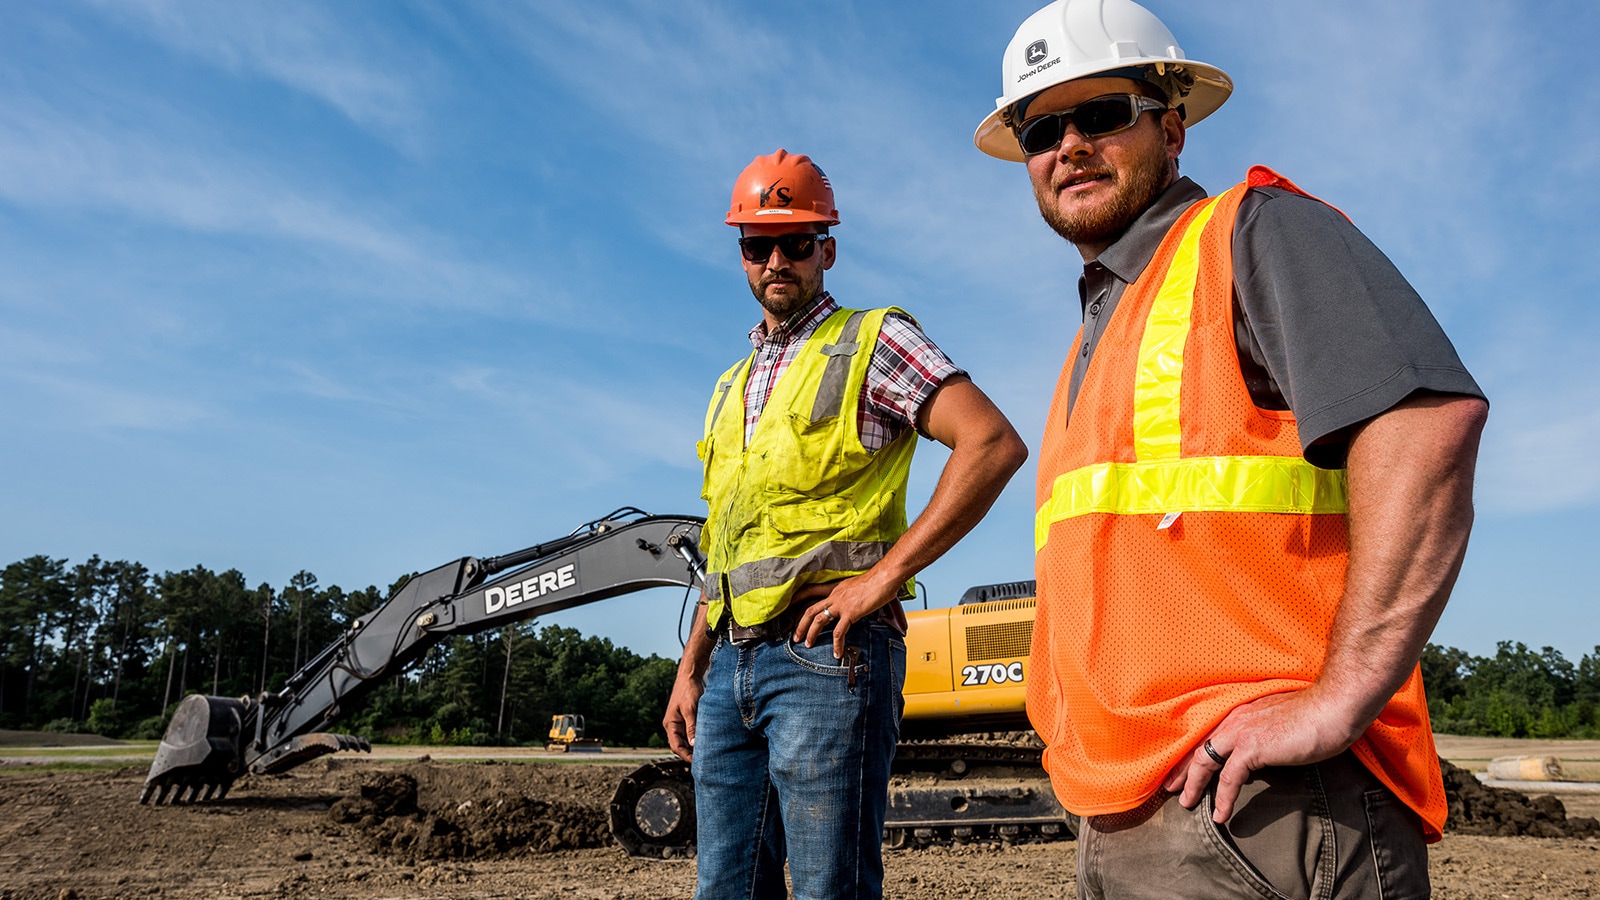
(783, 306)
(1135, 189)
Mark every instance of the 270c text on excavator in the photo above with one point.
(966, 672)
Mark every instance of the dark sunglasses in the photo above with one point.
(1095, 118)
(796, 246)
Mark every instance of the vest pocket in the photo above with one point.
(792, 516)
(808, 458)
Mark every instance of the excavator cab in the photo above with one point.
(566, 735)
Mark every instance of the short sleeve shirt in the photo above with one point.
(906, 369)
(1324, 323)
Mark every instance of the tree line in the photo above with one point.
(1514, 693)
(110, 648)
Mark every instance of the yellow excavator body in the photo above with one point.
(967, 665)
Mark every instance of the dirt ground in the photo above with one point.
(390, 828)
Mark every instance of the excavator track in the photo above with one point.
(979, 791)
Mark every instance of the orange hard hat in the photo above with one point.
(782, 187)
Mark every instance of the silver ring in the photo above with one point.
(1216, 757)
(826, 612)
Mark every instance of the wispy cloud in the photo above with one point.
(356, 70)
(68, 404)
(588, 430)
(1539, 453)
(61, 165)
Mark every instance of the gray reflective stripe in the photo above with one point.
(830, 394)
(834, 556)
(713, 587)
(723, 388)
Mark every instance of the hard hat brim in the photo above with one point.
(1211, 89)
(777, 217)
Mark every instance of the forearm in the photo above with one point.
(697, 650)
(1410, 477)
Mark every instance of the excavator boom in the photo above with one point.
(213, 740)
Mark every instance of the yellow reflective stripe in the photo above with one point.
(1157, 432)
(1273, 484)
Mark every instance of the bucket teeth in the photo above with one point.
(178, 791)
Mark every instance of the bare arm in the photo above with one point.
(1410, 476)
(689, 685)
(984, 452)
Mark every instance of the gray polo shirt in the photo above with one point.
(1325, 325)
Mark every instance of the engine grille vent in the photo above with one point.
(996, 606)
(1001, 641)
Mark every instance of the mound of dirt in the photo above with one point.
(1477, 808)
(457, 817)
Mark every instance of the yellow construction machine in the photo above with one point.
(966, 769)
(566, 735)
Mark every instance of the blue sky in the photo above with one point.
(360, 288)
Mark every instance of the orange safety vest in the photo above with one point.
(1189, 559)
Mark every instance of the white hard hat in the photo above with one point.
(1072, 39)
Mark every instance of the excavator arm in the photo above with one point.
(212, 740)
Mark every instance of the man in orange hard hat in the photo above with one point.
(1254, 496)
(788, 697)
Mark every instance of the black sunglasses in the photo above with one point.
(795, 246)
(1095, 118)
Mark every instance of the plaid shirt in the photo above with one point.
(906, 369)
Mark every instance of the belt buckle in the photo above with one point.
(742, 635)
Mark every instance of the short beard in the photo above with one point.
(783, 309)
(1144, 183)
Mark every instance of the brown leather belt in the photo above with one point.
(782, 625)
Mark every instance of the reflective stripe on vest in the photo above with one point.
(1162, 481)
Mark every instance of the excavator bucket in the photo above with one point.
(201, 753)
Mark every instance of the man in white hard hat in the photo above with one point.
(788, 695)
(1254, 497)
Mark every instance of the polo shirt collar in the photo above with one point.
(1133, 251)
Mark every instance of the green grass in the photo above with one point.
(140, 750)
(64, 766)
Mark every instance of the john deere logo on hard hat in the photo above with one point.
(1036, 53)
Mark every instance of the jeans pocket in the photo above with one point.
(820, 659)
(1399, 852)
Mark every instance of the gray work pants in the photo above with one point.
(1318, 832)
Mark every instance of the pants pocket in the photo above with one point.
(1250, 879)
(819, 659)
(1399, 852)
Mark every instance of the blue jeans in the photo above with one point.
(792, 760)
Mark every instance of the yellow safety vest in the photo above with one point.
(804, 502)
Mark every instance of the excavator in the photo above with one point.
(959, 773)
